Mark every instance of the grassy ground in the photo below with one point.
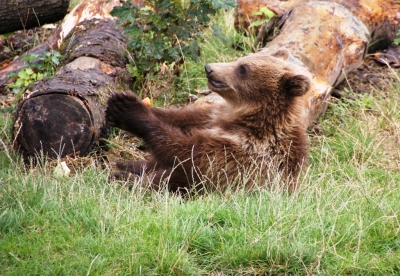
(344, 220)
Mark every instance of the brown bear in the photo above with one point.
(256, 137)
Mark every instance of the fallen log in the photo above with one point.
(379, 16)
(86, 10)
(25, 14)
(64, 115)
(329, 39)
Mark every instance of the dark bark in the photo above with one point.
(64, 115)
(86, 10)
(25, 14)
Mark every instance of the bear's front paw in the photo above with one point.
(123, 110)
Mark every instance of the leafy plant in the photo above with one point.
(25, 78)
(264, 12)
(165, 31)
(36, 68)
(396, 41)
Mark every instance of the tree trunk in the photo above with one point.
(25, 14)
(379, 16)
(329, 39)
(64, 115)
(86, 10)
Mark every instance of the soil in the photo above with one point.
(376, 72)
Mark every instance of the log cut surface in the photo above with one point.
(57, 118)
(64, 115)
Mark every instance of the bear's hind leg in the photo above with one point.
(127, 171)
(133, 167)
(176, 180)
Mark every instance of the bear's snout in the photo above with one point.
(215, 79)
(208, 70)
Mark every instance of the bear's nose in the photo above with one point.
(208, 69)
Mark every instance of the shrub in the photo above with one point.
(163, 31)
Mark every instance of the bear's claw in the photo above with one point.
(125, 110)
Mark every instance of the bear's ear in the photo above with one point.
(295, 85)
(282, 54)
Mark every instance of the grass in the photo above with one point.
(74, 3)
(344, 220)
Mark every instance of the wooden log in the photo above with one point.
(25, 14)
(64, 115)
(86, 10)
(379, 16)
(329, 39)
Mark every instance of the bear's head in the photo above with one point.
(269, 80)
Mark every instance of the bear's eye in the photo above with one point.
(242, 70)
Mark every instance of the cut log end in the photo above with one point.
(64, 115)
(57, 124)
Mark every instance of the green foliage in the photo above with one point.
(263, 12)
(25, 78)
(165, 31)
(36, 68)
(396, 41)
(74, 3)
(353, 101)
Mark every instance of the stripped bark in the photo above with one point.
(86, 10)
(329, 39)
(64, 115)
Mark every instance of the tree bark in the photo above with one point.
(379, 16)
(329, 39)
(64, 115)
(86, 10)
(25, 14)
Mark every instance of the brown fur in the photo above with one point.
(259, 130)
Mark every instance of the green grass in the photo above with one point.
(344, 220)
(74, 3)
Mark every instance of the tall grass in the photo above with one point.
(343, 220)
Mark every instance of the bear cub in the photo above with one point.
(254, 138)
